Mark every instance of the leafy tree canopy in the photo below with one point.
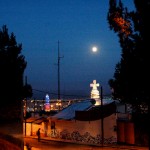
(131, 78)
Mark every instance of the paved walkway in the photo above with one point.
(49, 144)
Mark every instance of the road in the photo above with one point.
(55, 145)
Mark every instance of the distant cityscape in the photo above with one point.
(31, 105)
(48, 104)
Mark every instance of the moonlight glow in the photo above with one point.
(94, 49)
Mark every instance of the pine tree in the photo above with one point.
(12, 66)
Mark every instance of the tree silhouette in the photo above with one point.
(27, 91)
(131, 78)
(130, 83)
(12, 66)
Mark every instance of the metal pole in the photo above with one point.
(25, 105)
(58, 73)
(102, 119)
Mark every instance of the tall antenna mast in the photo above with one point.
(59, 72)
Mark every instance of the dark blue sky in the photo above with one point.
(78, 25)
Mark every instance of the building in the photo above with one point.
(96, 120)
(81, 122)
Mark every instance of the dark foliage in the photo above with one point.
(12, 66)
(131, 78)
(27, 91)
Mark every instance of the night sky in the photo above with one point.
(78, 25)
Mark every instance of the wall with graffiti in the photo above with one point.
(86, 132)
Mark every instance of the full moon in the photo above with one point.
(94, 49)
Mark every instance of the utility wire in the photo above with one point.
(60, 94)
